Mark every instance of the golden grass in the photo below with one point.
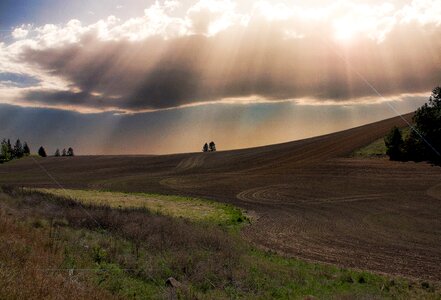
(181, 207)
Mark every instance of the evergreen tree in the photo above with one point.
(212, 147)
(413, 148)
(70, 152)
(428, 123)
(394, 144)
(64, 152)
(10, 150)
(26, 149)
(42, 152)
(18, 149)
(2, 158)
(205, 148)
(5, 154)
(57, 153)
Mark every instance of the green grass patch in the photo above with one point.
(289, 278)
(375, 149)
(378, 147)
(194, 209)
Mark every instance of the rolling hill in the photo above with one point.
(308, 198)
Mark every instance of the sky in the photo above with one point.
(155, 77)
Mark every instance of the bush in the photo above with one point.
(394, 144)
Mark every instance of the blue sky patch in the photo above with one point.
(17, 80)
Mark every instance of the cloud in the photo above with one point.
(216, 51)
(20, 33)
(212, 16)
(171, 4)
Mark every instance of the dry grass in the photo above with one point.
(26, 258)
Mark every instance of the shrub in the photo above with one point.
(394, 144)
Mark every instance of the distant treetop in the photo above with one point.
(209, 147)
(212, 147)
(26, 149)
(70, 152)
(42, 152)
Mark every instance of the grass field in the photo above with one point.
(175, 206)
(58, 247)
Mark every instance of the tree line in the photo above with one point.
(19, 150)
(69, 152)
(9, 152)
(424, 140)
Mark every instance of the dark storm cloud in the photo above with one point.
(65, 98)
(239, 62)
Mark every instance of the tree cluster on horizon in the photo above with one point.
(9, 152)
(69, 152)
(424, 140)
(19, 150)
(209, 147)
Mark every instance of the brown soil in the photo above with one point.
(309, 200)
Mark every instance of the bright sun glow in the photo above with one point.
(343, 31)
(344, 34)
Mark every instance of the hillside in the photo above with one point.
(308, 198)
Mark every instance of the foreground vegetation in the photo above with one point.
(52, 246)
